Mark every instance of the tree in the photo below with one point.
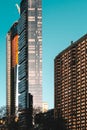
(10, 121)
(35, 112)
(2, 112)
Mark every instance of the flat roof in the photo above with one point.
(72, 44)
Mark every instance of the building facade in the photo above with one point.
(70, 79)
(30, 53)
(25, 115)
(44, 107)
(12, 61)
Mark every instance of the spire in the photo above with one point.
(18, 8)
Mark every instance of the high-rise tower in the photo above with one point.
(12, 61)
(71, 85)
(30, 53)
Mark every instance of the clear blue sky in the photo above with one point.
(63, 21)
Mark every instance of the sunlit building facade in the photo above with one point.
(71, 85)
(30, 53)
(11, 65)
(44, 107)
(30, 59)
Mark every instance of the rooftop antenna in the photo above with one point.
(71, 42)
(18, 8)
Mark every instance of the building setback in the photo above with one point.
(70, 79)
(11, 61)
(30, 53)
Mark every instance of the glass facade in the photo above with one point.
(30, 51)
(35, 51)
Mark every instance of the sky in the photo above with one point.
(63, 21)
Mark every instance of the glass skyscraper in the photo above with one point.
(30, 53)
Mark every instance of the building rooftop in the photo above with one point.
(72, 44)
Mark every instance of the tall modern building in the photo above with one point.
(71, 85)
(30, 53)
(12, 61)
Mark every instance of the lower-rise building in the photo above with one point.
(44, 107)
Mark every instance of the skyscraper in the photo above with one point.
(12, 61)
(30, 53)
(71, 85)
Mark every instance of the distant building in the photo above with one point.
(70, 78)
(44, 107)
(11, 65)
